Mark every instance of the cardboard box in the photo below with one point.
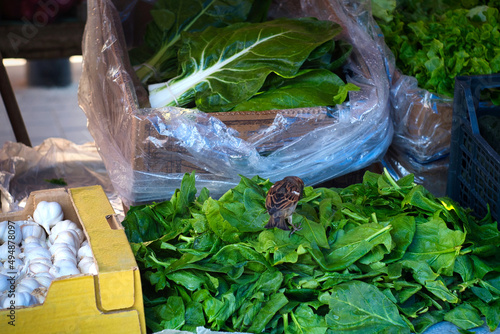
(110, 302)
(173, 158)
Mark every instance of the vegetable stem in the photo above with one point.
(148, 68)
(295, 321)
(390, 179)
(285, 323)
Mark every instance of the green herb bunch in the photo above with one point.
(439, 40)
(375, 257)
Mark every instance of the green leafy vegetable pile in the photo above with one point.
(223, 56)
(435, 41)
(378, 256)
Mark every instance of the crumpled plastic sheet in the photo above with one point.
(422, 121)
(422, 134)
(24, 169)
(350, 137)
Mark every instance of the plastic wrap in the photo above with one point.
(24, 169)
(137, 144)
(422, 134)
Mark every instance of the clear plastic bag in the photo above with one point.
(422, 134)
(141, 146)
(24, 169)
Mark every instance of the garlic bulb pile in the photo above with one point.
(35, 251)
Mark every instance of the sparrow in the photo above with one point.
(281, 202)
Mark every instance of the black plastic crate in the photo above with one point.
(474, 170)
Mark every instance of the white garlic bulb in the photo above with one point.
(63, 226)
(44, 274)
(64, 255)
(11, 265)
(33, 240)
(10, 231)
(20, 299)
(63, 268)
(35, 252)
(38, 267)
(5, 282)
(85, 251)
(87, 265)
(8, 250)
(44, 280)
(47, 214)
(62, 247)
(32, 230)
(27, 284)
(69, 237)
(43, 260)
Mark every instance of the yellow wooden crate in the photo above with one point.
(110, 302)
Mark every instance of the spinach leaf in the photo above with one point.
(437, 245)
(465, 316)
(361, 308)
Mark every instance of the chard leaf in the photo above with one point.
(359, 307)
(309, 88)
(171, 18)
(223, 67)
(342, 92)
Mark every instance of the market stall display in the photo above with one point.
(215, 134)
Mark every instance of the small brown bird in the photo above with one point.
(281, 202)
